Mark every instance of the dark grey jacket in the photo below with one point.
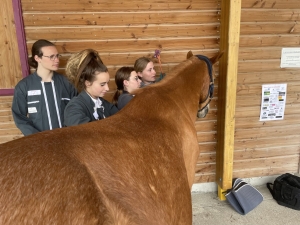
(81, 109)
(30, 107)
(123, 99)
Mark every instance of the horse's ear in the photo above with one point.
(189, 55)
(216, 57)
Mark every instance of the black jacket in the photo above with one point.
(31, 109)
(81, 110)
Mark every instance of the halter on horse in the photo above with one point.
(204, 110)
(136, 167)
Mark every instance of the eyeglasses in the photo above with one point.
(53, 57)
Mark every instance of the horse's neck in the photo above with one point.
(186, 83)
(178, 92)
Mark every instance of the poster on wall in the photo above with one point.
(290, 57)
(273, 102)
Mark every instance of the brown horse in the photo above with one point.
(136, 167)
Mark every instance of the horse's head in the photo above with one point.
(208, 90)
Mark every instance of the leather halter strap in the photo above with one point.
(211, 84)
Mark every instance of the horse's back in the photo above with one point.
(79, 180)
(141, 177)
(44, 186)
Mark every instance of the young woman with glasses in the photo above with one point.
(40, 99)
(90, 76)
(127, 81)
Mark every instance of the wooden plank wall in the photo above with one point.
(273, 147)
(10, 66)
(123, 31)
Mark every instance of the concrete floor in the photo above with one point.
(209, 210)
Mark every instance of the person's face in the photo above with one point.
(133, 82)
(49, 60)
(148, 74)
(98, 87)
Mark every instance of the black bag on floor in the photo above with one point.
(286, 190)
(243, 197)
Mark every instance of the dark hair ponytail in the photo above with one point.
(89, 65)
(122, 74)
(36, 50)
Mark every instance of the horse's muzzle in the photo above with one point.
(202, 113)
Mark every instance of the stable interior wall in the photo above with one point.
(122, 31)
(266, 147)
(10, 66)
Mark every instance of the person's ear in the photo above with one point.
(125, 83)
(87, 83)
(38, 59)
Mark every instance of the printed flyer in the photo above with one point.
(290, 57)
(273, 102)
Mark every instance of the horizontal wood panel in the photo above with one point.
(253, 53)
(252, 122)
(6, 138)
(254, 111)
(269, 77)
(256, 89)
(270, 162)
(275, 151)
(259, 172)
(267, 142)
(207, 136)
(211, 115)
(5, 105)
(287, 40)
(253, 153)
(86, 5)
(270, 28)
(289, 160)
(205, 168)
(265, 5)
(259, 66)
(206, 125)
(270, 15)
(125, 45)
(7, 125)
(4, 99)
(6, 118)
(207, 147)
(205, 178)
(244, 101)
(122, 19)
(11, 131)
(5, 113)
(128, 58)
(264, 132)
(207, 157)
(134, 32)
